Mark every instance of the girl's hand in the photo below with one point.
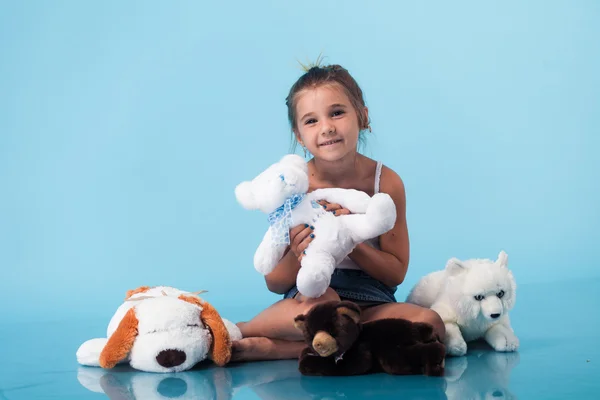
(300, 238)
(334, 208)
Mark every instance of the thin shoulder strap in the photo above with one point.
(378, 176)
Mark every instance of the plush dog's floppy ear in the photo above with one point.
(220, 351)
(141, 289)
(121, 341)
(350, 310)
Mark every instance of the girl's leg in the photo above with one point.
(271, 335)
(407, 311)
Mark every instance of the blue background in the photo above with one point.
(125, 126)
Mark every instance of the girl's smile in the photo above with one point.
(330, 143)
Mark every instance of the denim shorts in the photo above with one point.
(355, 285)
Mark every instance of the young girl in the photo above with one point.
(328, 117)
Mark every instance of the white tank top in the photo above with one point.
(347, 263)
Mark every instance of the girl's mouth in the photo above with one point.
(330, 142)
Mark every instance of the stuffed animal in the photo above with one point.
(161, 329)
(281, 192)
(473, 298)
(339, 344)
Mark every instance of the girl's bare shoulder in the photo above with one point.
(391, 183)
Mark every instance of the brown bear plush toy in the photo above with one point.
(339, 344)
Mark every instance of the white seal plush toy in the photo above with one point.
(161, 329)
(281, 192)
(473, 298)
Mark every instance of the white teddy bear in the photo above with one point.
(473, 298)
(281, 192)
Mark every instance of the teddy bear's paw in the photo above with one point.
(456, 347)
(506, 342)
(382, 208)
(435, 359)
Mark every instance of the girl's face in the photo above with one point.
(327, 124)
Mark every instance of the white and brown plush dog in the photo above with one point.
(162, 329)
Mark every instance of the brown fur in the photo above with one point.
(394, 346)
(220, 351)
(121, 341)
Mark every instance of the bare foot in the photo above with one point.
(262, 348)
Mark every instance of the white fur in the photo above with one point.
(451, 293)
(164, 322)
(335, 236)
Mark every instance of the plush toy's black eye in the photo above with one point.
(500, 294)
(479, 297)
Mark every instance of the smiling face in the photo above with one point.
(327, 123)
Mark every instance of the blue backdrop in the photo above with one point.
(125, 126)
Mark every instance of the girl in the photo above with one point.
(328, 117)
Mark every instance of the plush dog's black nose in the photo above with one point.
(495, 316)
(170, 358)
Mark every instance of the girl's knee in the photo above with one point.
(431, 317)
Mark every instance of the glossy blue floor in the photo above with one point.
(557, 325)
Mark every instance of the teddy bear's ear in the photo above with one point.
(350, 310)
(295, 160)
(121, 341)
(300, 322)
(455, 266)
(245, 195)
(502, 260)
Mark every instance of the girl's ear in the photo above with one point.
(366, 111)
(121, 341)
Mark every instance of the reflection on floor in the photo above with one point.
(557, 325)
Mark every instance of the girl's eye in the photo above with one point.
(479, 297)
(338, 113)
(310, 121)
(500, 294)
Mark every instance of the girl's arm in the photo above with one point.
(388, 265)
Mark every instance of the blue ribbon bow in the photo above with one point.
(281, 219)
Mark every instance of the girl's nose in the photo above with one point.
(327, 129)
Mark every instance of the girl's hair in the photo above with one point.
(331, 74)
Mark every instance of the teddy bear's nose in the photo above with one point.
(170, 358)
(495, 316)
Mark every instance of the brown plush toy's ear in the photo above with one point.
(121, 341)
(350, 310)
(141, 289)
(300, 322)
(220, 351)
